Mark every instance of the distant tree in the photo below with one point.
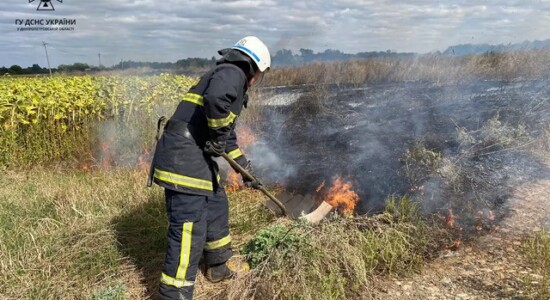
(64, 68)
(307, 54)
(80, 67)
(15, 69)
(36, 69)
(284, 57)
(194, 63)
(330, 54)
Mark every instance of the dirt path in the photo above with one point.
(489, 267)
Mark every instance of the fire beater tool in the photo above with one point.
(298, 203)
(247, 174)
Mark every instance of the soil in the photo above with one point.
(489, 267)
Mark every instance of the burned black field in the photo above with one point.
(461, 149)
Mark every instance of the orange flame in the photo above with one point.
(491, 216)
(86, 166)
(245, 136)
(107, 156)
(341, 196)
(233, 183)
(455, 245)
(450, 219)
(484, 219)
(142, 163)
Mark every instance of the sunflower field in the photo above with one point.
(52, 119)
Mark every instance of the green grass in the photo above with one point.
(537, 251)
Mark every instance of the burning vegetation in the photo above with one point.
(340, 196)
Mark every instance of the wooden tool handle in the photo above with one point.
(247, 174)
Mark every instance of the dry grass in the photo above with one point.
(433, 68)
(537, 250)
(57, 240)
(99, 235)
(252, 115)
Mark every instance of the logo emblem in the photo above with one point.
(45, 4)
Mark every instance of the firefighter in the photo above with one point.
(203, 127)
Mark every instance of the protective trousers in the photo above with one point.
(198, 228)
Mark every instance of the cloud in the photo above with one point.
(153, 30)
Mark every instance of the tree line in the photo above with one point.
(35, 69)
(283, 57)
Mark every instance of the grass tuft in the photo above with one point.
(537, 250)
(114, 292)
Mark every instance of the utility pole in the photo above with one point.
(99, 56)
(47, 57)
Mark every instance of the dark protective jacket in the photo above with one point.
(208, 111)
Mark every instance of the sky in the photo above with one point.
(168, 30)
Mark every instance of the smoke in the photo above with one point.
(127, 138)
(296, 41)
(119, 144)
(269, 165)
(463, 147)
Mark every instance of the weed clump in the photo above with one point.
(259, 248)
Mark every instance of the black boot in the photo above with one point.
(167, 292)
(217, 273)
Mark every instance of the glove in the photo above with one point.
(214, 148)
(255, 184)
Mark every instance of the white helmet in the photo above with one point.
(256, 50)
